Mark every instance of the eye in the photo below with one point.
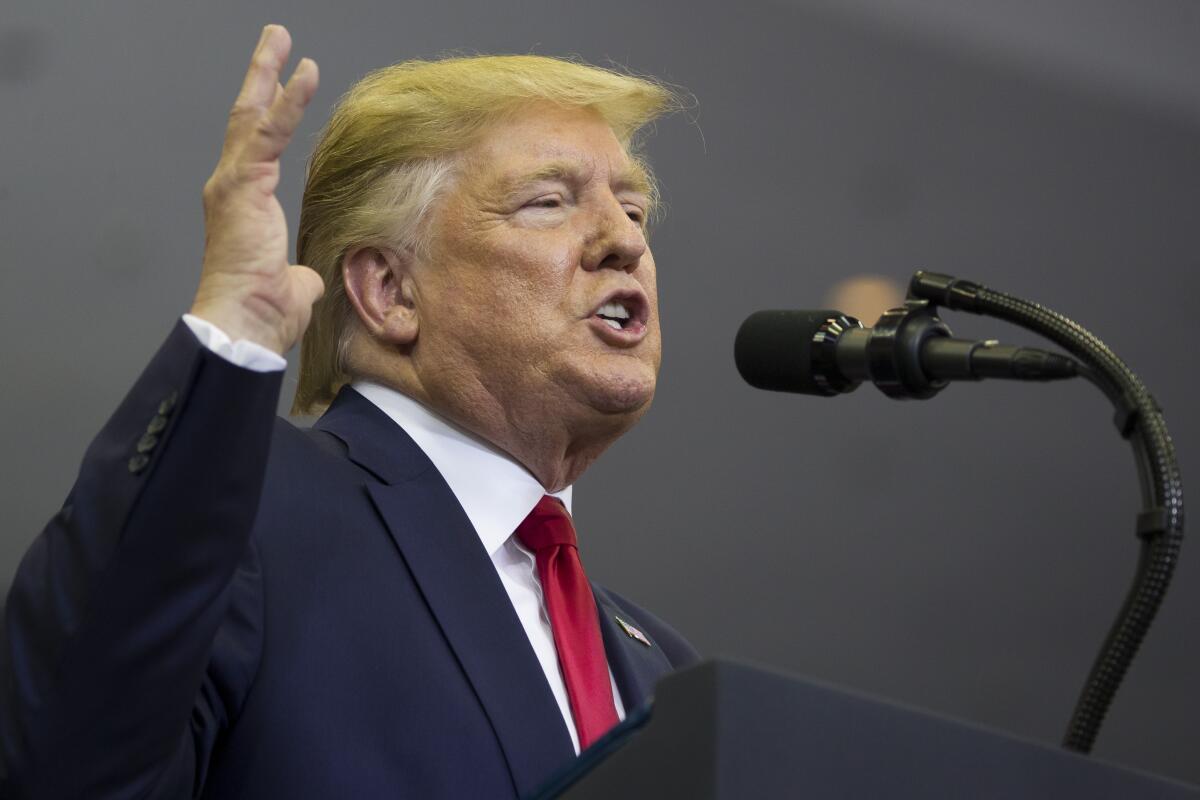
(545, 202)
(636, 214)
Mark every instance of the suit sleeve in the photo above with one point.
(107, 680)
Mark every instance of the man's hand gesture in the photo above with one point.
(247, 287)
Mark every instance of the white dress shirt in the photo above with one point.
(494, 490)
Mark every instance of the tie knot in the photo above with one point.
(548, 525)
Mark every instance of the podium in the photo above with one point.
(723, 730)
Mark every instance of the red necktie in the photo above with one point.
(548, 532)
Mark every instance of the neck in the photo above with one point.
(556, 448)
(554, 445)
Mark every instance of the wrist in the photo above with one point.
(239, 323)
(242, 353)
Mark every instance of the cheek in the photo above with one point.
(507, 312)
(650, 286)
(536, 277)
(513, 287)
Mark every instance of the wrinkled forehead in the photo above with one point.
(573, 169)
(571, 145)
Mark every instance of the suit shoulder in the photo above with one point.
(294, 447)
(308, 474)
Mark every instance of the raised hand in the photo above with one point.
(247, 287)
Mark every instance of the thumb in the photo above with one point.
(308, 283)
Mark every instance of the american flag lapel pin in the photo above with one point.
(632, 632)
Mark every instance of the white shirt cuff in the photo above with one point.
(242, 353)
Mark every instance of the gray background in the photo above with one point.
(964, 554)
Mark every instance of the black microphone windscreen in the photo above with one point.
(773, 349)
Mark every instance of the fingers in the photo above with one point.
(266, 113)
(275, 128)
(266, 63)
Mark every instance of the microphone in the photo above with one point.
(910, 353)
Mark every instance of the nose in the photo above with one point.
(615, 241)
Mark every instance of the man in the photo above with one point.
(390, 604)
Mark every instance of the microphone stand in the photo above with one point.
(1139, 420)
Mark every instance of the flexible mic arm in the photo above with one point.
(1138, 419)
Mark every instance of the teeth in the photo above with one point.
(615, 310)
(612, 323)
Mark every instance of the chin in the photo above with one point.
(627, 392)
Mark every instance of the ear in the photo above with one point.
(379, 286)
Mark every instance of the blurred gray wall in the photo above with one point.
(964, 554)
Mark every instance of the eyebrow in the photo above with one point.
(633, 178)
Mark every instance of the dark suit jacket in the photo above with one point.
(228, 606)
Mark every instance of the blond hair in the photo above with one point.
(388, 151)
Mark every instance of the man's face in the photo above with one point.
(539, 289)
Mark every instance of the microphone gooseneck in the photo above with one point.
(1139, 419)
(910, 353)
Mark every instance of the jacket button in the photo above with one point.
(157, 424)
(138, 463)
(147, 443)
(168, 403)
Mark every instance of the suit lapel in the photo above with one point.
(636, 667)
(460, 584)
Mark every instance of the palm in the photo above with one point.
(248, 288)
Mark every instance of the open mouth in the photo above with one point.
(615, 315)
(623, 311)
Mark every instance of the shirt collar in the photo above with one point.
(495, 491)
